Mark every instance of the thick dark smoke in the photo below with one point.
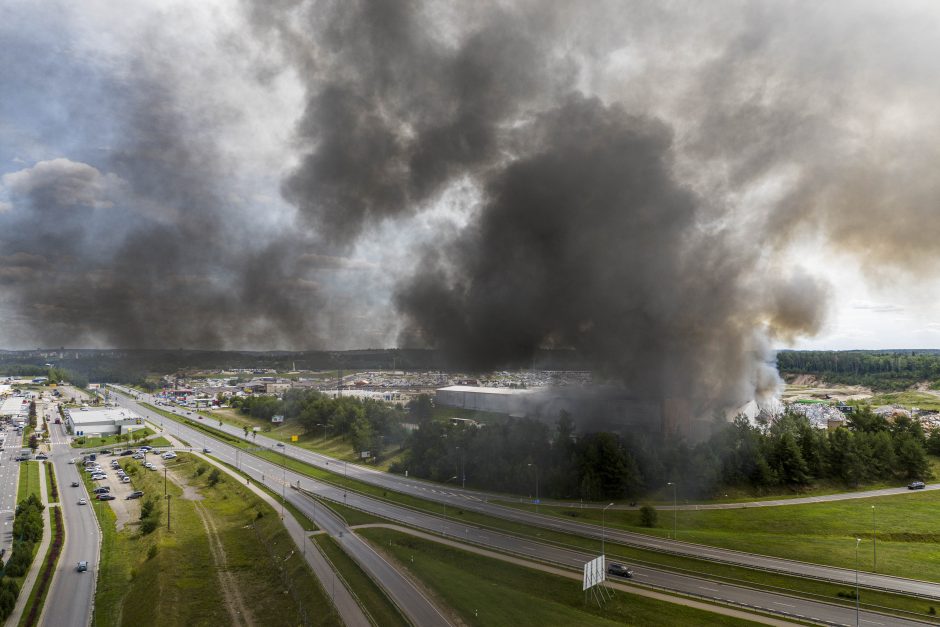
(626, 179)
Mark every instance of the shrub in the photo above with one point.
(152, 551)
(648, 516)
(149, 525)
(201, 469)
(214, 477)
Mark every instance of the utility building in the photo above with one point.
(101, 421)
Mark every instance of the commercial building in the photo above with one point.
(510, 401)
(14, 407)
(101, 421)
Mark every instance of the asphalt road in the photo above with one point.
(72, 594)
(9, 482)
(274, 476)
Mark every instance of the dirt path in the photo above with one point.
(231, 593)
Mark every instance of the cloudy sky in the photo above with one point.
(712, 178)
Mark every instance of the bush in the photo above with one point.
(214, 477)
(149, 525)
(152, 552)
(648, 516)
(201, 469)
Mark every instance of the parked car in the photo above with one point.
(127, 452)
(125, 479)
(169, 455)
(42, 456)
(82, 566)
(619, 570)
(106, 497)
(138, 456)
(917, 485)
(98, 478)
(136, 494)
(101, 489)
(82, 502)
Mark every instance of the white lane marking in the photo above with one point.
(783, 604)
(709, 589)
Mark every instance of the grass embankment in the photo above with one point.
(305, 523)
(180, 565)
(375, 602)
(37, 597)
(135, 438)
(29, 480)
(486, 591)
(908, 539)
(702, 568)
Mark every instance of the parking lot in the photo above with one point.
(126, 510)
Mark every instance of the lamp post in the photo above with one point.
(675, 508)
(444, 524)
(604, 527)
(536, 487)
(874, 542)
(858, 541)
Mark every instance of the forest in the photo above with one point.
(882, 371)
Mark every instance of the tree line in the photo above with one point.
(879, 370)
(789, 453)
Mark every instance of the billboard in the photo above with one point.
(595, 572)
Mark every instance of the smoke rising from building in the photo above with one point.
(625, 179)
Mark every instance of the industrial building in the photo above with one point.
(14, 408)
(101, 421)
(510, 401)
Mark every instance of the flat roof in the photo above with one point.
(14, 405)
(96, 415)
(484, 390)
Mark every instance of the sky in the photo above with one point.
(305, 175)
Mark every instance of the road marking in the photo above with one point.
(709, 589)
(783, 604)
(872, 622)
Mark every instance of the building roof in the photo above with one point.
(98, 415)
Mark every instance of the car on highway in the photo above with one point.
(206, 450)
(75, 484)
(917, 485)
(280, 444)
(619, 570)
(42, 456)
(82, 566)
(82, 502)
(72, 460)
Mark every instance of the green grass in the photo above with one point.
(37, 596)
(371, 597)
(485, 591)
(111, 440)
(305, 523)
(708, 569)
(181, 573)
(29, 480)
(908, 399)
(908, 537)
(159, 442)
(353, 516)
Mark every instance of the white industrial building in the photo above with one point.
(101, 420)
(14, 407)
(512, 401)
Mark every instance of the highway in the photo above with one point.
(72, 594)
(478, 502)
(274, 476)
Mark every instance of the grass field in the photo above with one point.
(370, 596)
(908, 537)
(112, 440)
(908, 399)
(178, 565)
(484, 591)
(29, 480)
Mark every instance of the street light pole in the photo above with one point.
(604, 527)
(857, 542)
(536, 487)
(444, 524)
(874, 542)
(675, 508)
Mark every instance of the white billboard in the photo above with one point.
(595, 572)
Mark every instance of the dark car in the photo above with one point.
(82, 566)
(104, 496)
(917, 485)
(42, 456)
(619, 570)
(75, 484)
(106, 451)
(101, 489)
(127, 452)
(134, 495)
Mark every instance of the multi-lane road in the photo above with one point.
(274, 475)
(72, 594)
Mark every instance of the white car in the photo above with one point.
(169, 455)
(125, 479)
(82, 502)
(72, 461)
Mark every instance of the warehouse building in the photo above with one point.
(101, 421)
(510, 401)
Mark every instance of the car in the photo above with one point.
(138, 456)
(145, 448)
(101, 489)
(127, 452)
(125, 479)
(42, 456)
(136, 494)
(280, 444)
(106, 451)
(72, 460)
(206, 450)
(917, 485)
(619, 570)
(75, 484)
(82, 502)
(106, 497)
(168, 455)
(99, 478)
(82, 566)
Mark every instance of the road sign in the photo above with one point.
(294, 438)
(595, 572)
